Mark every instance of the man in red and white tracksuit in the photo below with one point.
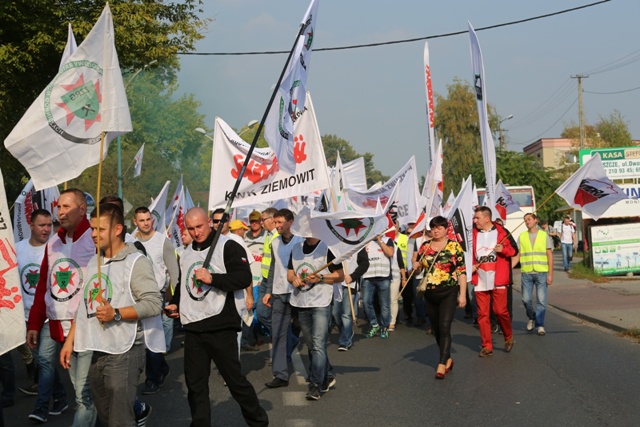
(492, 252)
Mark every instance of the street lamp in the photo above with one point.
(119, 144)
(502, 141)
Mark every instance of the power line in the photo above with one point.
(618, 63)
(612, 93)
(392, 42)
(547, 129)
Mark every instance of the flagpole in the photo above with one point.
(100, 300)
(232, 195)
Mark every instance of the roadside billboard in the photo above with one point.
(615, 249)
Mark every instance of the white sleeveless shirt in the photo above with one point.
(320, 294)
(29, 262)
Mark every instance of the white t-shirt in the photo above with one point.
(566, 233)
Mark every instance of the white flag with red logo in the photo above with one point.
(12, 327)
(137, 170)
(263, 180)
(177, 225)
(505, 203)
(59, 135)
(290, 98)
(345, 233)
(590, 190)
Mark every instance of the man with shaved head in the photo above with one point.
(209, 302)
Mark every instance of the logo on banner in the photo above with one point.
(359, 227)
(591, 190)
(478, 86)
(30, 274)
(66, 279)
(96, 292)
(156, 217)
(195, 288)
(79, 99)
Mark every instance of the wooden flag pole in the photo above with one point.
(232, 195)
(100, 300)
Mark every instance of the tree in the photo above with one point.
(334, 144)
(515, 168)
(33, 35)
(457, 124)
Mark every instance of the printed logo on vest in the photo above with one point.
(66, 279)
(195, 288)
(96, 293)
(29, 275)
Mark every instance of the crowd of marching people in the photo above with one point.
(237, 285)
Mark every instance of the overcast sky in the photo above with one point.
(375, 98)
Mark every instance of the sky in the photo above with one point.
(375, 97)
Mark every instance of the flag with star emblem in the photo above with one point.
(590, 190)
(345, 233)
(12, 326)
(59, 135)
(290, 97)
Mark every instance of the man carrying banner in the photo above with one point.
(209, 303)
(536, 262)
(492, 253)
(119, 315)
(30, 253)
(312, 296)
(277, 298)
(57, 297)
(165, 268)
(378, 279)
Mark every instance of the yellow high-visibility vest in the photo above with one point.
(533, 259)
(403, 246)
(266, 253)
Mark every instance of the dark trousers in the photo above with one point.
(441, 306)
(221, 347)
(156, 368)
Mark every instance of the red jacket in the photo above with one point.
(503, 259)
(38, 313)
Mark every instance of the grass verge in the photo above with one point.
(632, 333)
(579, 271)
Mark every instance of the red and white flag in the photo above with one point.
(173, 203)
(59, 135)
(590, 190)
(28, 201)
(177, 225)
(505, 203)
(430, 105)
(290, 98)
(137, 170)
(488, 145)
(12, 326)
(264, 180)
(345, 233)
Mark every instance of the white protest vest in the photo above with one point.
(115, 287)
(320, 294)
(29, 262)
(155, 252)
(67, 265)
(379, 264)
(395, 267)
(281, 253)
(198, 300)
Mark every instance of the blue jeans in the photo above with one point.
(342, 314)
(421, 307)
(383, 286)
(567, 252)
(49, 383)
(314, 323)
(262, 311)
(86, 412)
(280, 335)
(539, 280)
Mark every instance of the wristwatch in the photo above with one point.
(322, 278)
(117, 316)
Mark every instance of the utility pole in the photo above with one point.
(580, 109)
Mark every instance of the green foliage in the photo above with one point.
(457, 124)
(33, 35)
(515, 168)
(334, 144)
(611, 131)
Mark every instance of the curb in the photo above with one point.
(590, 319)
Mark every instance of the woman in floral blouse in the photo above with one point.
(445, 286)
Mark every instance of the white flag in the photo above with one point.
(158, 209)
(177, 225)
(345, 233)
(12, 327)
(433, 189)
(263, 180)
(290, 98)
(59, 135)
(488, 145)
(137, 170)
(448, 204)
(354, 174)
(28, 201)
(173, 203)
(430, 104)
(187, 198)
(460, 218)
(590, 190)
(69, 48)
(505, 203)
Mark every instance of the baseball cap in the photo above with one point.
(236, 224)
(255, 216)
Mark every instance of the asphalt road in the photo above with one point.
(576, 375)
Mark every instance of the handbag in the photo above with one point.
(422, 286)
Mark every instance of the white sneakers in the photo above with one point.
(530, 325)
(541, 330)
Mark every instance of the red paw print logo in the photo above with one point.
(298, 150)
